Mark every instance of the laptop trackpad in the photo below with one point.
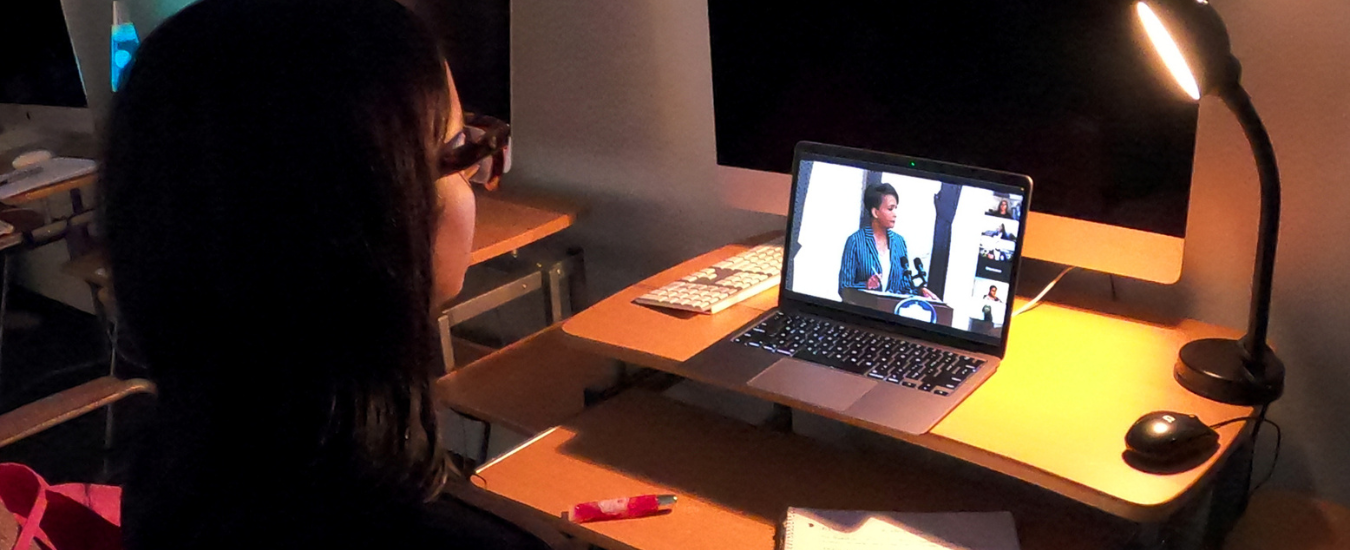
(811, 383)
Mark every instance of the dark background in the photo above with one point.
(37, 62)
(1061, 90)
(475, 36)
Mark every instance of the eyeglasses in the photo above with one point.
(484, 142)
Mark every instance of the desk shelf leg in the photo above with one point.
(1207, 520)
(4, 300)
(447, 345)
(1184, 530)
(627, 376)
(484, 446)
(620, 380)
(1149, 537)
(455, 435)
(562, 303)
(576, 280)
(553, 295)
(1229, 496)
(780, 420)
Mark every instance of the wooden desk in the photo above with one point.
(1055, 413)
(45, 191)
(529, 386)
(735, 481)
(504, 222)
(508, 220)
(662, 339)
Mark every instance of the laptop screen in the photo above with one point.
(900, 243)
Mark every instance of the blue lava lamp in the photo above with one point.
(124, 43)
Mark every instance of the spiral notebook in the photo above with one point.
(811, 529)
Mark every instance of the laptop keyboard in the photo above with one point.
(893, 360)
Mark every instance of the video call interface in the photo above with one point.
(922, 249)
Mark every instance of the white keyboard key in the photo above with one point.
(723, 284)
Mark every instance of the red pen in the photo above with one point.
(622, 508)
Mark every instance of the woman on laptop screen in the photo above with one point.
(875, 257)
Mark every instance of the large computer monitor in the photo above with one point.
(40, 85)
(1061, 90)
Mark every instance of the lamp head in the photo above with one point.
(1192, 41)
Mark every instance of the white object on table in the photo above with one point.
(809, 529)
(32, 175)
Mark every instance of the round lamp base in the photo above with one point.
(1220, 370)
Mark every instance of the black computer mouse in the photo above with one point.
(1166, 437)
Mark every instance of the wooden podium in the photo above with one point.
(888, 302)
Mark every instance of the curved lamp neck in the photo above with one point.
(1268, 229)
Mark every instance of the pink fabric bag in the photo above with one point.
(71, 516)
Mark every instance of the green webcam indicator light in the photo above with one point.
(912, 164)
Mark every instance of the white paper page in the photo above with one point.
(851, 530)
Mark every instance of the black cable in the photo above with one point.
(1260, 419)
(1232, 420)
(1279, 440)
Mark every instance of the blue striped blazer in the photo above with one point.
(860, 262)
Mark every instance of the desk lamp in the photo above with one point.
(1189, 35)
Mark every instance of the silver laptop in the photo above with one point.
(896, 294)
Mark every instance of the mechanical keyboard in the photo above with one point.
(839, 346)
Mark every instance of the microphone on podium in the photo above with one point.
(920, 279)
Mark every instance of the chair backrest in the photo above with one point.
(57, 408)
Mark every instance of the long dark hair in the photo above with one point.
(270, 209)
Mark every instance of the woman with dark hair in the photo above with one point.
(286, 205)
(1003, 211)
(875, 257)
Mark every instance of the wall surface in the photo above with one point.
(612, 102)
(1297, 70)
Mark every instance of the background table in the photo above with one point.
(509, 220)
(506, 222)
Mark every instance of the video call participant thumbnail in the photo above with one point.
(1003, 210)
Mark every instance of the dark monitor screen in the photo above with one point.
(475, 36)
(1061, 90)
(38, 66)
